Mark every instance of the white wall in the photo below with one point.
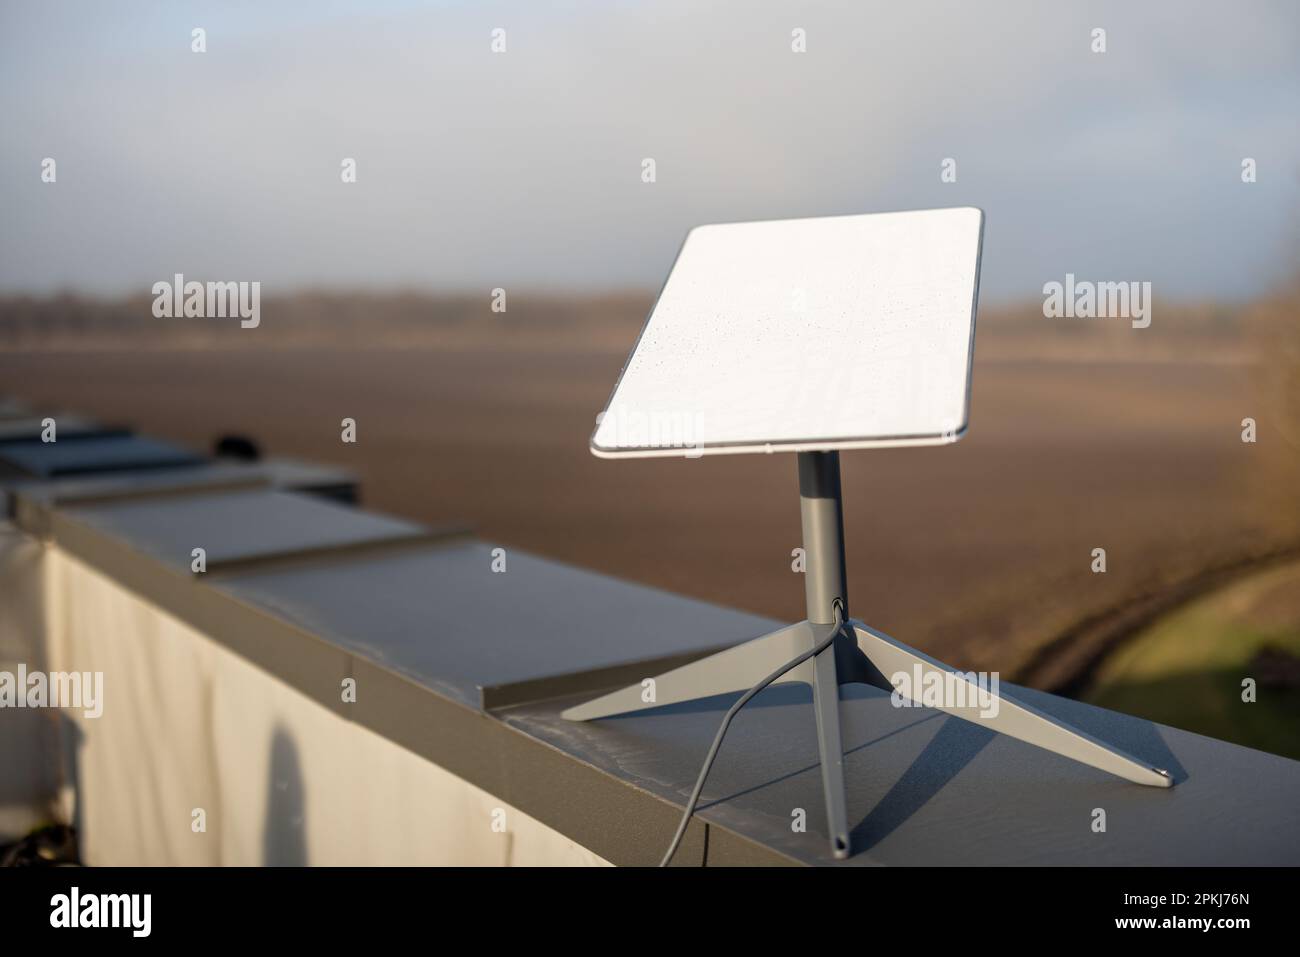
(187, 724)
(28, 739)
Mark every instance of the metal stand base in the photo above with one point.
(860, 655)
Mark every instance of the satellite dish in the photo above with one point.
(813, 336)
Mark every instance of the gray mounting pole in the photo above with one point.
(822, 510)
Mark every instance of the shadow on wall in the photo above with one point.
(284, 843)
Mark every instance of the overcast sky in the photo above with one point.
(523, 169)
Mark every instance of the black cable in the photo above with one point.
(817, 649)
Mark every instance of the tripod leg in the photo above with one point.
(826, 702)
(736, 669)
(886, 657)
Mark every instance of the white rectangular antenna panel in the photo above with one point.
(805, 335)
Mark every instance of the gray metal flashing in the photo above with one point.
(309, 555)
(925, 788)
(510, 694)
(31, 501)
(442, 616)
(242, 528)
(68, 427)
(121, 486)
(93, 453)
